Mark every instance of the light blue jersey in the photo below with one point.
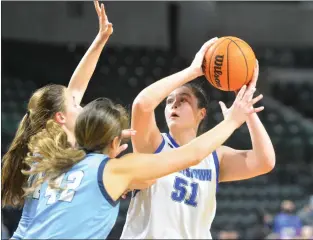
(81, 209)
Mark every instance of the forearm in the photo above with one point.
(153, 95)
(152, 166)
(85, 69)
(206, 143)
(262, 145)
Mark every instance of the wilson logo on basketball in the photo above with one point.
(218, 69)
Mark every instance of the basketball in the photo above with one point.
(229, 64)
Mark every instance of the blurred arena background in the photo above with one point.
(42, 42)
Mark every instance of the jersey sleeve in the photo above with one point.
(28, 213)
(101, 186)
(22, 227)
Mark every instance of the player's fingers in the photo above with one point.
(241, 93)
(223, 106)
(248, 95)
(255, 74)
(122, 148)
(258, 109)
(256, 99)
(96, 3)
(127, 133)
(109, 26)
(103, 14)
(207, 45)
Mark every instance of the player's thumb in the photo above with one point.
(122, 148)
(223, 106)
(110, 26)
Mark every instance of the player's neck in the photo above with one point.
(183, 136)
(70, 137)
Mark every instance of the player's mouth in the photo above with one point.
(174, 115)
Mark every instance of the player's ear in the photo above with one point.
(114, 147)
(116, 142)
(60, 118)
(202, 113)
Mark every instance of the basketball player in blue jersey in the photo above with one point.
(57, 102)
(76, 191)
(188, 197)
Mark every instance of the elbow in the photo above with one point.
(141, 104)
(269, 163)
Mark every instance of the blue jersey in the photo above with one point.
(80, 208)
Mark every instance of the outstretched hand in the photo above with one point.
(242, 106)
(105, 27)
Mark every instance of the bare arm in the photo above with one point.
(134, 167)
(245, 164)
(148, 136)
(83, 73)
(139, 166)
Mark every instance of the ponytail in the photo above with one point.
(12, 178)
(42, 106)
(55, 157)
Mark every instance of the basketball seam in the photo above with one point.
(228, 65)
(205, 66)
(247, 46)
(242, 42)
(212, 82)
(243, 57)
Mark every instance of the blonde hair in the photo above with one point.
(42, 106)
(55, 156)
(96, 127)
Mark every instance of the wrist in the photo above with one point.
(101, 39)
(251, 117)
(233, 124)
(192, 73)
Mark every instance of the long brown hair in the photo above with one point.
(42, 106)
(96, 127)
(203, 102)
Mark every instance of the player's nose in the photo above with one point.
(175, 104)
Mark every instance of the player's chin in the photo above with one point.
(174, 122)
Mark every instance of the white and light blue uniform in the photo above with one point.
(180, 205)
(81, 209)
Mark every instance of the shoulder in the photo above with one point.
(91, 162)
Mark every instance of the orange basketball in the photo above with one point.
(229, 64)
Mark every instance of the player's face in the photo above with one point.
(182, 109)
(72, 109)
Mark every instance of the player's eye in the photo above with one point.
(169, 101)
